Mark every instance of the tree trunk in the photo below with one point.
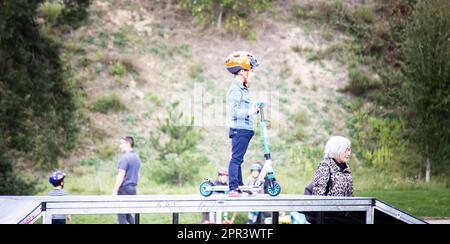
(420, 177)
(428, 171)
(219, 18)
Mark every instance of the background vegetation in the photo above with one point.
(77, 75)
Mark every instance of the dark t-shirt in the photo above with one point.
(131, 164)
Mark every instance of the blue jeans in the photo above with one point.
(240, 140)
(126, 190)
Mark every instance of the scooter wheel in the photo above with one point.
(274, 189)
(203, 191)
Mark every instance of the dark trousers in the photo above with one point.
(126, 190)
(240, 140)
(58, 221)
(335, 217)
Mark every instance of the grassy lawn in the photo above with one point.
(422, 202)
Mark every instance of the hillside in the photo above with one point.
(328, 68)
(167, 60)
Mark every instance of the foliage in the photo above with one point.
(74, 12)
(50, 12)
(381, 141)
(359, 83)
(12, 183)
(109, 102)
(427, 68)
(176, 140)
(38, 99)
(38, 103)
(298, 120)
(236, 15)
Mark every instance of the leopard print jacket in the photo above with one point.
(341, 183)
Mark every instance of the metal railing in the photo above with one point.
(13, 208)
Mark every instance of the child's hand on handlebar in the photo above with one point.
(254, 110)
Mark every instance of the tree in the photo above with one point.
(38, 104)
(427, 69)
(235, 14)
(176, 142)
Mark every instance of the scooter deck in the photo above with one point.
(226, 188)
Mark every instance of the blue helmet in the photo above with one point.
(256, 166)
(56, 177)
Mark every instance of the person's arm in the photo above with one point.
(321, 179)
(234, 100)
(119, 180)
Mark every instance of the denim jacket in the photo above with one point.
(239, 103)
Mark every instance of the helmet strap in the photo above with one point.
(245, 76)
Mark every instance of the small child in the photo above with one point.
(242, 111)
(57, 180)
(255, 170)
(255, 217)
(222, 180)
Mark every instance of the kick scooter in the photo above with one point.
(207, 188)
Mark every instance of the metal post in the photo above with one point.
(175, 218)
(137, 219)
(218, 218)
(275, 218)
(46, 216)
(370, 215)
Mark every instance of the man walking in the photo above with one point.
(128, 174)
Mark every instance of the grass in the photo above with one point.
(422, 202)
(96, 177)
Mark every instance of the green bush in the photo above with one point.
(175, 142)
(117, 69)
(427, 69)
(74, 12)
(297, 131)
(300, 12)
(38, 101)
(381, 142)
(107, 103)
(11, 182)
(120, 39)
(195, 70)
(362, 15)
(50, 12)
(106, 150)
(359, 83)
(235, 15)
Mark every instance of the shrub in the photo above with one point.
(234, 14)
(74, 12)
(106, 150)
(427, 68)
(50, 12)
(117, 69)
(359, 83)
(110, 102)
(299, 121)
(12, 183)
(175, 142)
(195, 70)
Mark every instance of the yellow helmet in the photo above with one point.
(241, 60)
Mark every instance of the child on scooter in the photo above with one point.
(242, 109)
